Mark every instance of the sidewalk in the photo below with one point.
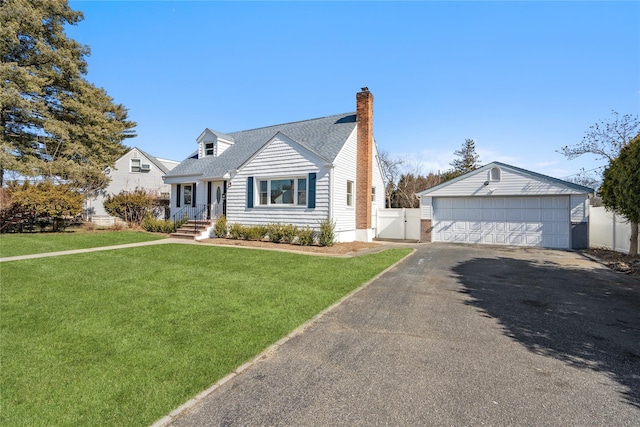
(100, 248)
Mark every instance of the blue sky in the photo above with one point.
(521, 78)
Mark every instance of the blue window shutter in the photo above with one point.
(250, 192)
(178, 187)
(311, 196)
(193, 195)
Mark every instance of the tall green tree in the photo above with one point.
(620, 190)
(53, 122)
(468, 160)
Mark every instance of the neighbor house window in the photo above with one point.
(135, 165)
(208, 149)
(186, 195)
(349, 193)
(495, 174)
(282, 191)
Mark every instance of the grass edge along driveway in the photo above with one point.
(124, 337)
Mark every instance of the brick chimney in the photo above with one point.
(364, 179)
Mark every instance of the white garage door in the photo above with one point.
(521, 221)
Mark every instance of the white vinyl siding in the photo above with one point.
(426, 207)
(345, 170)
(512, 183)
(281, 158)
(579, 208)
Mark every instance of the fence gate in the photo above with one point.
(399, 224)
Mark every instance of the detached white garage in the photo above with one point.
(499, 204)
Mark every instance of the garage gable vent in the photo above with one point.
(494, 174)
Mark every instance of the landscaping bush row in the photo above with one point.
(277, 233)
(161, 226)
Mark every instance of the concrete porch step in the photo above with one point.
(191, 229)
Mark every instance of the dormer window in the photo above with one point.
(213, 144)
(494, 175)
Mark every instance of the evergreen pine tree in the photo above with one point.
(53, 122)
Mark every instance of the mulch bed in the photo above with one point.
(629, 264)
(337, 249)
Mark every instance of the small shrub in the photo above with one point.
(158, 226)
(220, 228)
(326, 236)
(275, 232)
(289, 233)
(131, 206)
(118, 226)
(236, 231)
(256, 232)
(306, 236)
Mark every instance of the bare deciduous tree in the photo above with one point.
(391, 170)
(606, 138)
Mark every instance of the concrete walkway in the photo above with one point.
(98, 249)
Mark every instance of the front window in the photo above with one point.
(349, 193)
(208, 149)
(135, 165)
(282, 191)
(186, 198)
(264, 192)
(302, 191)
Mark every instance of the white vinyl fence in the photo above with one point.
(608, 230)
(398, 224)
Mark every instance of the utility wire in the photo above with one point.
(582, 172)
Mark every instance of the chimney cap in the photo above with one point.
(365, 89)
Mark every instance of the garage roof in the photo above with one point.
(514, 181)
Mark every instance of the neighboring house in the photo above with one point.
(296, 173)
(500, 204)
(135, 169)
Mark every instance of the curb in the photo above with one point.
(164, 421)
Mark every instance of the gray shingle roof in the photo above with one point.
(324, 137)
(154, 160)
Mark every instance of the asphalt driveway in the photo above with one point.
(455, 335)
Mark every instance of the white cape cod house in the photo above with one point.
(295, 173)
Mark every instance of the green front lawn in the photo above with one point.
(36, 243)
(123, 337)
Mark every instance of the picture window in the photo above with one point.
(282, 191)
